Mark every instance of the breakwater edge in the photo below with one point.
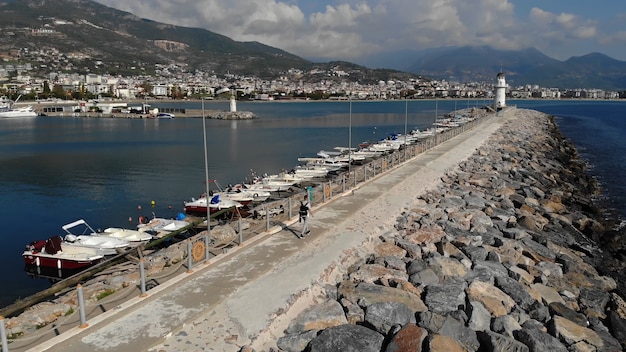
(496, 256)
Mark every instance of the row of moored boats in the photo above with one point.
(79, 249)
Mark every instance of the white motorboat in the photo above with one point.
(91, 239)
(158, 227)
(133, 236)
(9, 111)
(23, 112)
(308, 172)
(54, 253)
(216, 203)
(258, 194)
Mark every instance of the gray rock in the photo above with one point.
(382, 316)
(593, 298)
(515, 233)
(367, 293)
(347, 338)
(539, 312)
(539, 341)
(617, 326)
(318, 317)
(296, 342)
(424, 278)
(354, 313)
(491, 341)
(505, 325)
(431, 321)
(475, 253)
(558, 308)
(456, 330)
(413, 250)
(540, 250)
(445, 298)
(516, 291)
(416, 266)
(480, 318)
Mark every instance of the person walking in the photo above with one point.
(305, 213)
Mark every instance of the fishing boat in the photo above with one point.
(54, 253)
(159, 227)
(89, 238)
(215, 204)
(135, 237)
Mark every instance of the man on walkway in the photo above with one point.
(305, 212)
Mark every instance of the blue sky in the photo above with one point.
(353, 30)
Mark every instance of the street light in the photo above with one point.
(206, 172)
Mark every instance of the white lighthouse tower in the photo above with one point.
(499, 101)
(233, 103)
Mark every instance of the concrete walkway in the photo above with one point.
(241, 295)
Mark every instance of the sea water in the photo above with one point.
(109, 172)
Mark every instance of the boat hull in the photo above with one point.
(47, 261)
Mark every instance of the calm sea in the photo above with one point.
(57, 170)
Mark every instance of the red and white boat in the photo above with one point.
(53, 253)
(216, 203)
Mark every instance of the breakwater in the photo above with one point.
(497, 256)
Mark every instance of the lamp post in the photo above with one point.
(206, 172)
(406, 117)
(350, 141)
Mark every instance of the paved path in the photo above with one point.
(238, 296)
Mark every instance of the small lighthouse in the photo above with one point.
(500, 94)
(233, 103)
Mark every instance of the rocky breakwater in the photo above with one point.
(496, 257)
(231, 115)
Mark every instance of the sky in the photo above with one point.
(353, 30)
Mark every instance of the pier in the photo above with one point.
(265, 244)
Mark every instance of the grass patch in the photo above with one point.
(104, 294)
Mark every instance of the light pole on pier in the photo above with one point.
(206, 172)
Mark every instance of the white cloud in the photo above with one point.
(349, 29)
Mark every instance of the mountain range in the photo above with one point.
(96, 39)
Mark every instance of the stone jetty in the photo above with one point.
(497, 256)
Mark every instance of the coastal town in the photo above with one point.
(173, 81)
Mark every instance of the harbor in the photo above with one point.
(235, 246)
(322, 194)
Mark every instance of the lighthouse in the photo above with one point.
(500, 94)
(233, 103)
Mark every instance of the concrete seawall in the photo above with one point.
(461, 248)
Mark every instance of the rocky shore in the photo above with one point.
(498, 256)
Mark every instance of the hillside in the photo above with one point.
(83, 36)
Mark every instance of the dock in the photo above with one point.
(224, 284)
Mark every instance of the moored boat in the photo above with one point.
(54, 253)
(135, 237)
(215, 204)
(89, 238)
(159, 227)
(23, 112)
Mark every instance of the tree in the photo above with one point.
(45, 93)
(58, 91)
